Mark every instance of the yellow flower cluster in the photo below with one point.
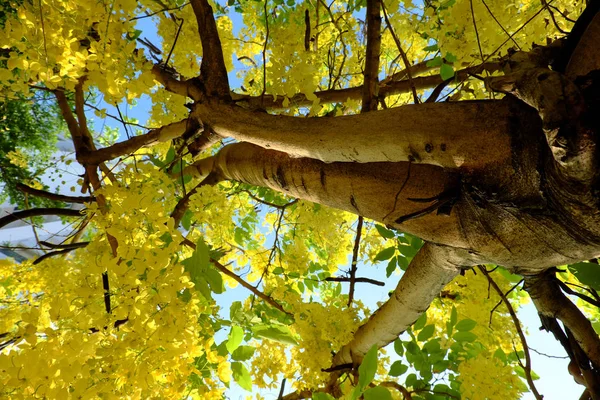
(65, 342)
(486, 378)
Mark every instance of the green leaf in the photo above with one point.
(398, 368)
(384, 232)
(402, 262)
(466, 325)
(215, 280)
(377, 393)
(587, 273)
(434, 62)
(501, 355)
(241, 375)
(453, 316)
(243, 353)
(391, 267)
(451, 58)
(398, 347)
(236, 335)
(420, 322)
(186, 220)
(446, 71)
(235, 311)
(408, 251)
(464, 336)
(433, 47)
(411, 380)
(385, 254)
(441, 366)
(201, 272)
(426, 332)
(368, 367)
(277, 333)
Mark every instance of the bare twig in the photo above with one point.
(513, 315)
(353, 267)
(53, 196)
(51, 254)
(267, 203)
(267, 299)
(500, 25)
(407, 65)
(37, 212)
(356, 280)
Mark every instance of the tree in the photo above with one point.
(504, 172)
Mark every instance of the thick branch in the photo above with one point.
(388, 87)
(551, 302)
(579, 55)
(431, 269)
(212, 69)
(371, 72)
(379, 191)
(185, 88)
(467, 134)
(560, 105)
(37, 212)
(54, 196)
(163, 134)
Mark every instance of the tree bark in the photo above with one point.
(468, 135)
(432, 268)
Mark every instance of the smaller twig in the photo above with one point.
(53, 196)
(65, 245)
(558, 28)
(37, 212)
(280, 397)
(547, 355)
(159, 11)
(174, 42)
(117, 324)
(267, 299)
(500, 25)
(267, 203)
(106, 287)
(505, 294)
(435, 93)
(582, 296)
(407, 64)
(513, 315)
(405, 393)
(354, 266)
(51, 254)
(183, 203)
(356, 280)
